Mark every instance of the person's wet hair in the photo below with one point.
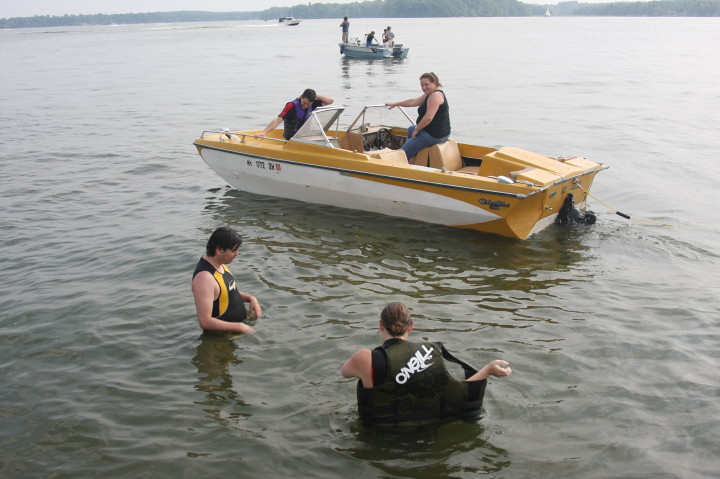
(309, 94)
(224, 238)
(396, 319)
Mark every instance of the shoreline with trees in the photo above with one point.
(388, 9)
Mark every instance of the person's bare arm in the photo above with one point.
(254, 305)
(497, 368)
(410, 102)
(359, 366)
(271, 126)
(326, 100)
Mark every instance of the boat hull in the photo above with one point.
(352, 180)
(357, 51)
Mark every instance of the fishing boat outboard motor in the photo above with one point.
(569, 215)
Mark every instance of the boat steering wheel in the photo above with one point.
(383, 138)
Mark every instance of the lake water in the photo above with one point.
(612, 330)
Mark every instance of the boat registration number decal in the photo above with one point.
(494, 205)
(264, 165)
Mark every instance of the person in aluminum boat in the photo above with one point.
(407, 383)
(390, 37)
(345, 25)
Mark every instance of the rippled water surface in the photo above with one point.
(612, 330)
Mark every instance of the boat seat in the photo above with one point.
(444, 155)
(396, 156)
(352, 141)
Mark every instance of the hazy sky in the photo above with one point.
(29, 8)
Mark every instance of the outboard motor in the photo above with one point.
(569, 215)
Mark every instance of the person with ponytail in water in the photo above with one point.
(297, 112)
(404, 383)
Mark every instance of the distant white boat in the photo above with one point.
(289, 21)
(547, 12)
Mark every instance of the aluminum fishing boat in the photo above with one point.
(355, 48)
(507, 191)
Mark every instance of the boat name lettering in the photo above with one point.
(494, 205)
(263, 165)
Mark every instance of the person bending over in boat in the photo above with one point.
(296, 112)
(406, 383)
(369, 40)
(219, 304)
(433, 121)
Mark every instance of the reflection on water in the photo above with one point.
(438, 453)
(215, 353)
(394, 255)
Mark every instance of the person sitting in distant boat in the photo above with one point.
(219, 304)
(404, 383)
(390, 37)
(433, 121)
(369, 40)
(385, 38)
(345, 25)
(297, 112)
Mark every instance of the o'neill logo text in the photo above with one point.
(415, 365)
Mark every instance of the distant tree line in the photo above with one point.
(661, 8)
(408, 9)
(389, 9)
(123, 18)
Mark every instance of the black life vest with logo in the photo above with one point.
(418, 389)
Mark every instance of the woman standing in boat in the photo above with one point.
(433, 122)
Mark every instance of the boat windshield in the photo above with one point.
(321, 120)
(380, 115)
(324, 122)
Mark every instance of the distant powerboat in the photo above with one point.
(289, 21)
(506, 191)
(355, 48)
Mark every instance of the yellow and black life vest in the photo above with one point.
(229, 306)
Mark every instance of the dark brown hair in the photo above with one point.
(432, 77)
(224, 238)
(396, 319)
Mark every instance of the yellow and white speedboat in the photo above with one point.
(506, 191)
